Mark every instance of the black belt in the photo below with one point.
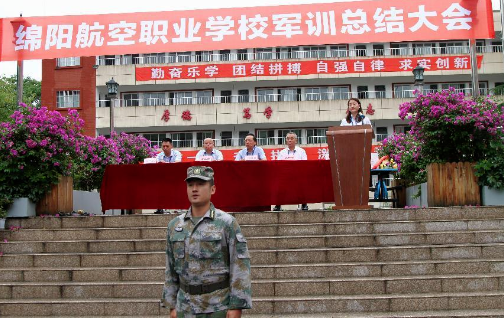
(204, 289)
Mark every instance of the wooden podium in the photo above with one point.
(350, 157)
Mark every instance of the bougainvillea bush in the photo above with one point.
(36, 147)
(445, 127)
(94, 154)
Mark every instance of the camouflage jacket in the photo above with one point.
(207, 252)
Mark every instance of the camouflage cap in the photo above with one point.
(200, 172)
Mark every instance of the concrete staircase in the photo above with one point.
(438, 262)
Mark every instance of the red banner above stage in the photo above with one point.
(374, 65)
(217, 29)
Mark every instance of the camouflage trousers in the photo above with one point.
(217, 314)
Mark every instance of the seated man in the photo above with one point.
(292, 152)
(169, 154)
(209, 154)
(251, 151)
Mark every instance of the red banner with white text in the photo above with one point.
(27, 38)
(374, 65)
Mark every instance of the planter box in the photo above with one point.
(452, 184)
(420, 201)
(58, 199)
(21, 208)
(491, 196)
(90, 202)
(2, 224)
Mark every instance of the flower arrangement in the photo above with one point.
(36, 147)
(246, 113)
(268, 111)
(186, 115)
(445, 127)
(96, 153)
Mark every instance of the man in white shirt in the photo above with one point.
(169, 154)
(292, 152)
(209, 154)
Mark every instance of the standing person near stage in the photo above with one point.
(355, 116)
(251, 151)
(292, 152)
(209, 153)
(168, 154)
(207, 260)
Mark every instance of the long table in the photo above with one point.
(241, 185)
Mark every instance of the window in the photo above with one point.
(313, 93)
(316, 52)
(203, 97)
(341, 92)
(362, 92)
(204, 56)
(453, 48)
(316, 136)
(496, 46)
(424, 48)
(480, 46)
(131, 99)
(398, 48)
(226, 138)
(360, 50)
(338, 51)
(131, 59)
(378, 50)
(380, 91)
(264, 53)
(243, 96)
(403, 91)
(242, 55)
(182, 140)
(68, 61)
(225, 96)
(183, 57)
(201, 136)
(266, 137)
(288, 94)
(499, 88)
(155, 139)
(241, 137)
(224, 55)
(401, 129)
(459, 87)
(182, 98)
(381, 133)
(266, 95)
(153, 99)
(67, 99)
(154, 58)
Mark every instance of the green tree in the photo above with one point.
(8, 94)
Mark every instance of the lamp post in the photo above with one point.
(419, 78)
(112, 87)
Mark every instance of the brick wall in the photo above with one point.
(81, 78)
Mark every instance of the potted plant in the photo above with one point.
(446, 128)
(490, 172)
(36, 147)
(4, 205)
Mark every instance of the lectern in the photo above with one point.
(350, 157)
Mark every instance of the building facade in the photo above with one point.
(223, 94)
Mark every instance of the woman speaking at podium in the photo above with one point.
(355, 116)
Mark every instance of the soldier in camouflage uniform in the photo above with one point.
(207, 260)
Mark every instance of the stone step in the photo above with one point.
(268, 242)
(278, 271)
(264, 305)
(489, 313)
(279, 256)
(268, 287)
(291, 229)
(257, 218)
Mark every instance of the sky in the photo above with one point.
(37, 8)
